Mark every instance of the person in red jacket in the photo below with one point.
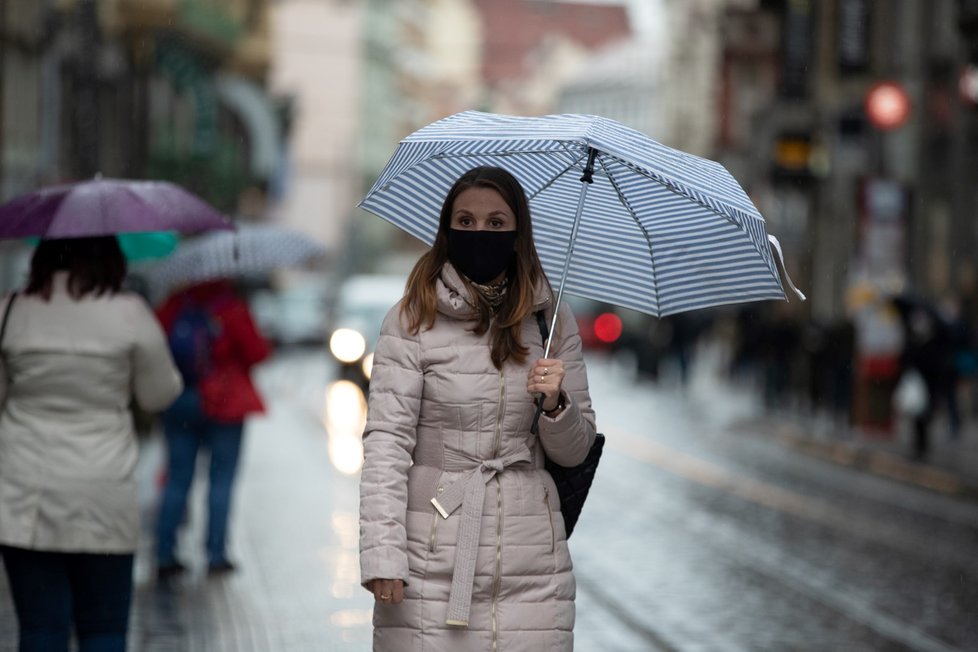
(215, 343)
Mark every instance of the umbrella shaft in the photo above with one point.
(567, 262)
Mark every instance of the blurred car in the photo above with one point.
(294, 315)
(354, 328)
(354, 323)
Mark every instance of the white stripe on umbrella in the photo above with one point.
(662, 231)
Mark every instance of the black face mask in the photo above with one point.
(481, 255)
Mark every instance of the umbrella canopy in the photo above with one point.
(656, 229)
(251, 250)
(107, 207)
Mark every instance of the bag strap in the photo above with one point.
(542, 323)
(6, 316)
(544, 334)
(3, 331)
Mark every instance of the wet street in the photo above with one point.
(700, 534)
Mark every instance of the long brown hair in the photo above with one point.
(94, 265)
(420, 305)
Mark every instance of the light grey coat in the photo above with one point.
(68, 449)
(439, 414)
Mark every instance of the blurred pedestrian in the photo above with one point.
(215, 343)
(76, 349)
(962, 363)
(456, 376)
(928, 351)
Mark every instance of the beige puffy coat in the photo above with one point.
(444, 423)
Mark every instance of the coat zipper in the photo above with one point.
(499, 515)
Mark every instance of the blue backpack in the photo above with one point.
(190, 339)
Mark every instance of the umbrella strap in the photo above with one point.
(784, 270)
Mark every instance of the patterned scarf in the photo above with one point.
(493, 294)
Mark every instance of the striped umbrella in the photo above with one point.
(617, 216)
(248, 251)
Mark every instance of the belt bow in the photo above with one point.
(469, 492)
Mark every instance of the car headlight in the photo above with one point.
(347, 344)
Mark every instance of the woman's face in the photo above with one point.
(482, 209)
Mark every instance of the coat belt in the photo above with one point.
(469, 492)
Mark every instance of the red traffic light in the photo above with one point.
(887, 105)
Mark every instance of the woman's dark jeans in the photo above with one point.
(54, 590)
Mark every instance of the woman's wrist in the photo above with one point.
(556, 409)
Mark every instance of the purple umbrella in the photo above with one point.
(107, 207)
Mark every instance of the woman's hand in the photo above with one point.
(387, 591)
(545, 378)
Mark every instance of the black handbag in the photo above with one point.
(573, 482)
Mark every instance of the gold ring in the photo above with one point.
(385, 597)
(541, 378)
(545, 370)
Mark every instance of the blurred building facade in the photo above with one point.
(318, 63)
(138, 88)
(427, 59)
(662, 82)
(170, 89)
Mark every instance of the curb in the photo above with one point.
(867, 459)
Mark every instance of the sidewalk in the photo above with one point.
(951, 466)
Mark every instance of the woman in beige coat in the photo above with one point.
(76, 351)
(461, 538)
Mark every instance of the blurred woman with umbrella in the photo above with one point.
(75, 350)
(216, 343)
(216, 365)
